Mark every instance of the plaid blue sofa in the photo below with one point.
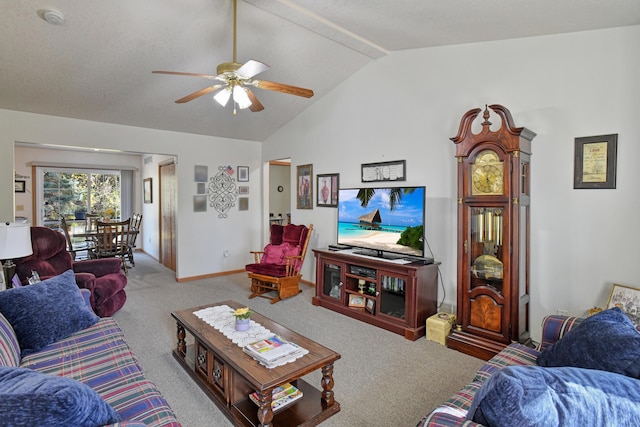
(453, 412)
(99, 357)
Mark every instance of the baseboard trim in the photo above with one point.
(209, 276)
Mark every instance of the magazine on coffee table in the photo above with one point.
(281, 396)
(274, 351)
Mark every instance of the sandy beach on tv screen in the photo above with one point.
(383, 240)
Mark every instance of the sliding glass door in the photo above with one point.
(73, 193)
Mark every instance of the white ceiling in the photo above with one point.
(97, 65)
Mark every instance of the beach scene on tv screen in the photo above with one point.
(392, 219)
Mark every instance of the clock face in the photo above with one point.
(487, 174)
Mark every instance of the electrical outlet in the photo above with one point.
(563, 312)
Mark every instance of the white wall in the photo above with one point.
(202, 236)
(407, 105)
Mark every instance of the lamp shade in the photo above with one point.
(15, 240)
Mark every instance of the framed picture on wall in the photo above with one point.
(305, 187)
(199, 203)
(200, 173)
(595, 162)
(19, 186)
(243, 173)
(327, 189)
(384, 171)
(147, 190)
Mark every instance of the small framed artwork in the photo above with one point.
(371, 305)
(327, 190)
(595, 162)
(305, 187)
(627, 299)
(243, 189)
(243, 203)
(357, 300)
(385, 171)
(200, 203)
(200, 173)
(243, 173)
(19, 186)
(147, 190)
(201, 188)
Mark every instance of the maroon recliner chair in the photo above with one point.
(102, 277)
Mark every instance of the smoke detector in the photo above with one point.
(51, 16)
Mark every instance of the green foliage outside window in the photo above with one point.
(72, 194)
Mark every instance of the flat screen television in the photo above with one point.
(386, 222)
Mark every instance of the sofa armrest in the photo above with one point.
(443, 419)
(98, 267)
(85, 280)
(127, 424)
(554, 327)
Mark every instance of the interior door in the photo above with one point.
(168, 211)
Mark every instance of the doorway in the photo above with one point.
(280, 191)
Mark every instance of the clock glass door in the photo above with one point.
(486, 258)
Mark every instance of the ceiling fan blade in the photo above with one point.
(198, 94)
(256, 105)
(176, 73)
(251, 68)
(281, 87)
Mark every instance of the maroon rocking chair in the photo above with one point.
(277, 267)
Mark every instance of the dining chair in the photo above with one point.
(90, 221)
(134, 230)
(72, 248)
(111, 240)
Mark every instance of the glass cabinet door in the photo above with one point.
(332, 285)
(393, 296)
(486, 248)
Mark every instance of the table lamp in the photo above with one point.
(15, 242)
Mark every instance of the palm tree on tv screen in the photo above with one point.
(395, 196)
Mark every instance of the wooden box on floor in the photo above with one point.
(439, 326)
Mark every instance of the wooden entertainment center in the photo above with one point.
(391, 295)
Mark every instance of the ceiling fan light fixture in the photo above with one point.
(222, 97)
(240, 97)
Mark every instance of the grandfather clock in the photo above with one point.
(494, 177)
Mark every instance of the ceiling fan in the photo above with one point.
(235, 81)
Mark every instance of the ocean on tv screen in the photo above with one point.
(380, 224)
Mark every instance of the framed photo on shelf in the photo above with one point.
(628, 299)
(19, 186)
(357, 300)
(147, 190)
(243, 173)
(385, 171)
(595, 162)
(371, 305)
(327, 190)
(304, 199)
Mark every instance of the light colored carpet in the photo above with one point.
(382, 379)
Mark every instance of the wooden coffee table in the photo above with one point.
(228, 375)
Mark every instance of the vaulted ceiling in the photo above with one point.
(97, 64)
